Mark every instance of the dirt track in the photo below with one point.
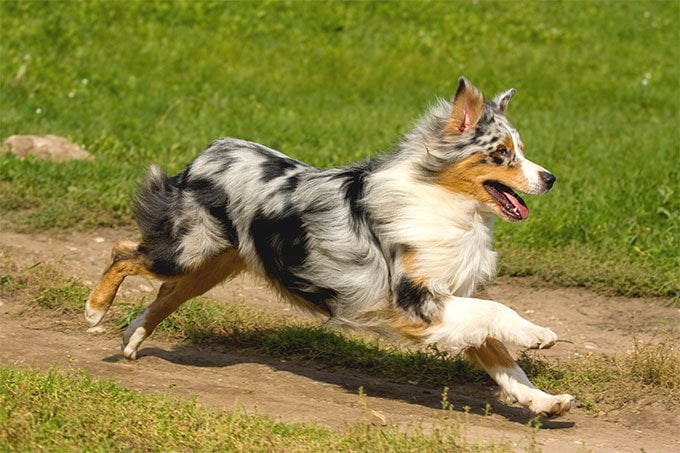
(304, 392)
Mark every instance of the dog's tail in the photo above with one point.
(156, 209)
(154, 203)
(153, 200)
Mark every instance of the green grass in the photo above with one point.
(140, 82)
(65, 412)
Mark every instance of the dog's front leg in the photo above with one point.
(482, 327)
(493, 356)
(468, 322)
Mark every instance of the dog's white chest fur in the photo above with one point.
(468, 250)
(452, 235)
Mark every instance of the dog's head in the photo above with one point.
(480, 155)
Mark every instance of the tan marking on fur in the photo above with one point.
(410, 268)
(521, 144)
(414, 331)
(173, 294)
(466, 111)
(125, 261)
(507, 141)
(492, 354)
(467, 176)
(408, 328)
(103, 294)
(124, 248)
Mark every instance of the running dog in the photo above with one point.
(396, 244)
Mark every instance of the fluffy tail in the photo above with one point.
(156, 209)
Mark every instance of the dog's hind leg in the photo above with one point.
(174, 293)
(126, 259)
(493, 356)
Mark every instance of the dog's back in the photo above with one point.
(306, 230)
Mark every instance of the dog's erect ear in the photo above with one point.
(501, 101)
(468, 105)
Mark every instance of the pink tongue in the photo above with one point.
(523, 210)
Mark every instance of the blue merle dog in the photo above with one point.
(397, 244)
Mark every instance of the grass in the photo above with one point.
(649, 374)
(63, 412)
(43, 285)
(139, 82)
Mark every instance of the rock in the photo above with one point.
(378, 418)
(50, 147)
(96, 329)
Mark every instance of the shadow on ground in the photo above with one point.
(463, 397)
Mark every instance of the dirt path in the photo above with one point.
(304, 392)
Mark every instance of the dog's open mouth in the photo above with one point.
(510, 203)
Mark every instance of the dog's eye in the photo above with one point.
(502, 150)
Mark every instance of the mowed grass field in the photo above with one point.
(330, 83)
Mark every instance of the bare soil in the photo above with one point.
(308, 392)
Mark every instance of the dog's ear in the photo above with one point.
(468, 105)
(501, 101)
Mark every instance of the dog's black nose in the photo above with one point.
(548, 178)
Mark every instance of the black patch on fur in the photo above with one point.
(222, 154)
(216, 201)
(291, 183)
(276, 166)
(352, 186)
(411, 297)
(180, 180)
(156, 208)
(281, 243)
(464, 144)
(497, 158)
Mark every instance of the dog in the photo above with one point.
(396, 244)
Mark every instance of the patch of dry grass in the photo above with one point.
(650, 372)
(42, 284)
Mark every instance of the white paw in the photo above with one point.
(133, 337)
(92, 316)
(536, 337)
(551, 405)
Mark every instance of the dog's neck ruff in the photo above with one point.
(452, 234)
